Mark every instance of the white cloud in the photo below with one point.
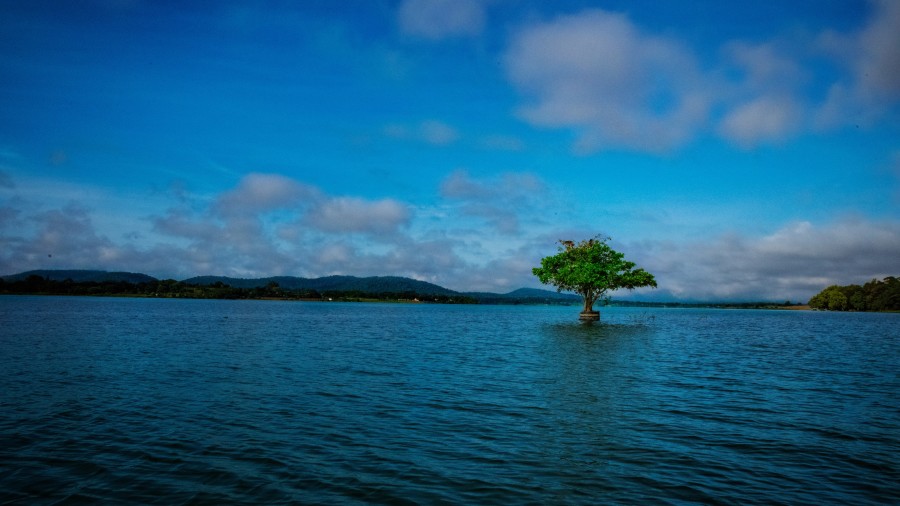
(460, 185)
(763, 119)
(878, 69)
(335, 258)
(313, 237)
(61, 238)
(439, 19)
(265, 192)
(180, 223)
(619, 86)
(238, 236)
(500, 202)
(350, 235)
(347, 214)
(872, 57)
(597, 72)
(842, 106)
(507, 271)
(234, 235)
(434, 261)
(762, 105)
(765, 66)
(794, 262)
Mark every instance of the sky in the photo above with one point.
(736, 150)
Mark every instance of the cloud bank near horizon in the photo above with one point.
(269, 224)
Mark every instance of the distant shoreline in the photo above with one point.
(425, 300)
(331, 288)
(658, 305)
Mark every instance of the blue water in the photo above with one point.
(257, 402)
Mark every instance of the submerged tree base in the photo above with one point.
(589, 315)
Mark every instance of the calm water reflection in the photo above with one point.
(179, 401)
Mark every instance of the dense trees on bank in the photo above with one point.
(873, 296)
(169, 288)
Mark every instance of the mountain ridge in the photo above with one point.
(378, 286)
(397, 284)
(82, 276)
(369, 284)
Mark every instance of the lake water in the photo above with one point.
(257, 402)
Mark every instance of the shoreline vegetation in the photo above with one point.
(880, 296)
(335, 288)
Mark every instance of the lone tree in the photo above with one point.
(591, 268)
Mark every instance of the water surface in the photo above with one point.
(249, 402)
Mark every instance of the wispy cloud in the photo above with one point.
(499, 201)
(616, 84)
(265, 192)
(795, 262)
(763, 119)
(347, 214)
(269, 224)
(871, 57)
(63, 236)
(878, 69)
(6, 180)
(439, 19)
(621, 86)
(335, 234)
(761, 104)
(434, 132)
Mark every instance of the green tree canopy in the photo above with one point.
(875, 295)
(590, 269)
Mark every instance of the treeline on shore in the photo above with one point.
(170, 288)
(873, 296)
(705, 305)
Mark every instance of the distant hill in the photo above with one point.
(373, 284)
(546, 294)
(392, 284)
(288, 282)
(388, 284)
(82, 276)
(91, 282)
(525, 296)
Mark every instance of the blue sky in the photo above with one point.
(737, 150)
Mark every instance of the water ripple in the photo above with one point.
(246, 402)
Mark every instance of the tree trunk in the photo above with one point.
(588, 304)
(587, 312)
